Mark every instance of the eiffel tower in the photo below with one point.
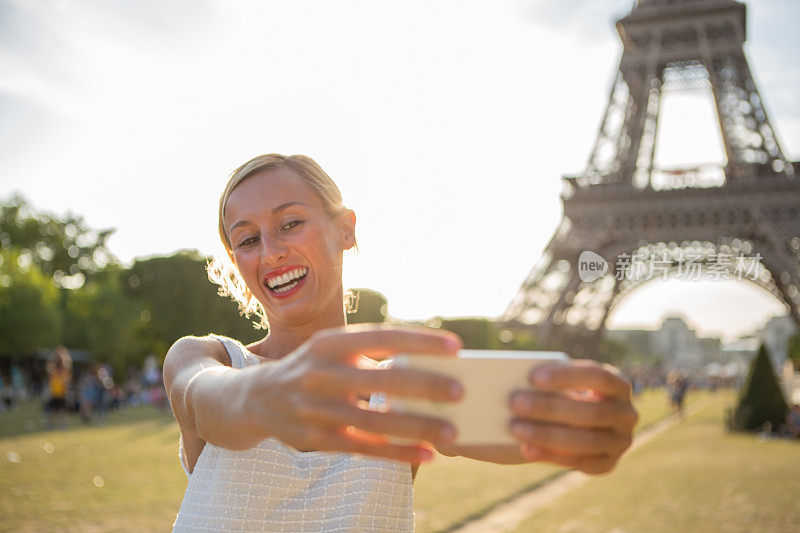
(635, 216)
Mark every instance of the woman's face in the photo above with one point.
(287, 247)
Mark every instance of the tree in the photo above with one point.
(370, 306)
(761, 399)
(63, 248)
(514, 339)
(614, 351)
(794, 349)
(477, 333)
(29, 311)
(103, 319)
(176, 298)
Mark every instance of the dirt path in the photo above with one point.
(507, 516)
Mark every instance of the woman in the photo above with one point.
(258, 423)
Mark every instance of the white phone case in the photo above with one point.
(489, 377)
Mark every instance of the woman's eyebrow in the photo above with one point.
(285, 205)
(275, 210)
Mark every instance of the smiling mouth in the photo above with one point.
(286, 281)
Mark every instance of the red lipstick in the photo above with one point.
(292, 283)
(280, 271)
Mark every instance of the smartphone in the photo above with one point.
(489, 378)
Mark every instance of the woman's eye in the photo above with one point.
(291, 224)
(248, 241)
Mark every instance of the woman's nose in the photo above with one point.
(273, 250)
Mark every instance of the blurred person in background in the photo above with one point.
(791, 427)
(18, 383)
(105, 382)
(6, 393)
(678, 386)
(89, 393)
(59, 377)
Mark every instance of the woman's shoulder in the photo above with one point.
(192, 347)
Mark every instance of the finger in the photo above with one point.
(557, 408)
(570, 440)
(354, 442)
(588, 464)
(396, 382)
(350, 441)
(380, 341)
(340, 413)
(582, 374)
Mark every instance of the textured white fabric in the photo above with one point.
(273, 487)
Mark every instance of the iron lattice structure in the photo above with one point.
(623, 207)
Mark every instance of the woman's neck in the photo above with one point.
(286, 338)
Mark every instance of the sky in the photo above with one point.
(446, 124)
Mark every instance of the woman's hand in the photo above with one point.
(310, 398)
(580, 416)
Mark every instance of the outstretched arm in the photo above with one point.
(206, 394)
(309, 399)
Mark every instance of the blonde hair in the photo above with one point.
(221, 270)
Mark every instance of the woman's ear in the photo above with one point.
(348, 222)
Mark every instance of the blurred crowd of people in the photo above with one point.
(657, 378)
(88, 390)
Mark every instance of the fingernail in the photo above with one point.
(522, 431)
(425, 455)
(453, 344)
(521, 403)
(541, 376)
(456, 391)
(532, 452)
(448, 434)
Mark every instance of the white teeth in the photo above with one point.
(286, 278)
(288, 287)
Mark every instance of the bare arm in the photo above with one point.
(206, 395)
(309, 398)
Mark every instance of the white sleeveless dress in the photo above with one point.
(274, 487)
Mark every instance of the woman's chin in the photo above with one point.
(299, 310)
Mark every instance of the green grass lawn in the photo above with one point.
(133, 457)
(122, 475)
(694, 477)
